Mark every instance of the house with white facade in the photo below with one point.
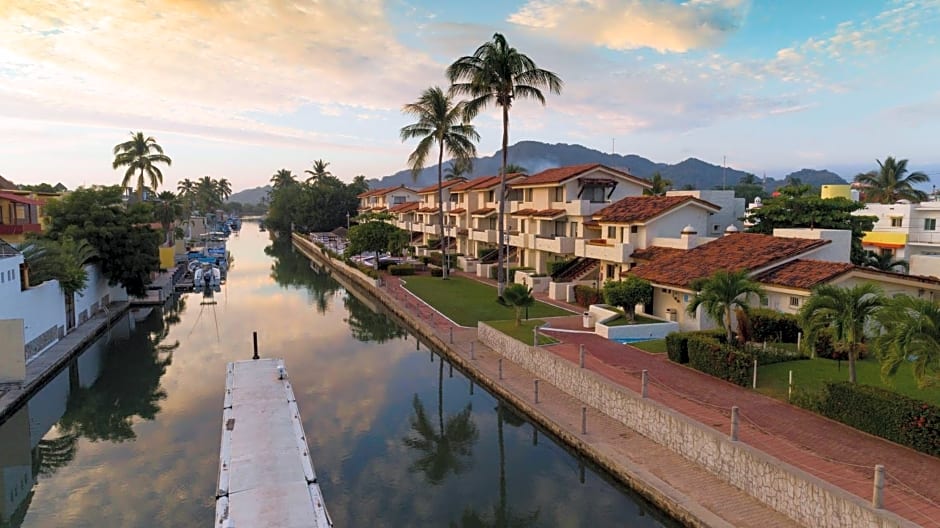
(906, 231)
(378, 200)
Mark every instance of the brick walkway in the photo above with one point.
(829, 450)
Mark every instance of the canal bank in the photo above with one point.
(683, 489)
(47, 364)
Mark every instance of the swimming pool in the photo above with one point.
(629, 340)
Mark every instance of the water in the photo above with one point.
(628, 340)
(129, 434)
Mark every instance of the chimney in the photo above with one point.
(688, 235)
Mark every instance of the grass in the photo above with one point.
(523, 332)
(811, 373)
(638, 319)
(466, 301)
(653, 346)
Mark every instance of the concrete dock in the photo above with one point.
(266, 475)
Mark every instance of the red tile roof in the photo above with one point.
(804, 273)
(428, 210)
(654, 253)
(634, 209)
(562, 174)
(406, 207)
(524, 212)
(475, 182)
(444, 185)
(459, 210)
(18, 198)
(549, 213)
(383, 190)
(486, 211)
(733, 252)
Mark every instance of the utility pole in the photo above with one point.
(724, 172)
(613, 149)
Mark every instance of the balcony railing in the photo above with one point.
(603, 250)
(555, 244)
(484, 235)
(19, 229)
(584, 207)
(924, 237)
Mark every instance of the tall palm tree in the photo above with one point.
(846, 311)
(721, 293)
(885, 262)
(207, 194)
(140, 154)
(889, 184)
(186, 191)
(169, 211)
(660, 185)
(319, 171)
(442, 124)
(497, 74)
(223, 188)
(282, 178)
(911, 333)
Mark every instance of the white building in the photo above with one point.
(906, 231)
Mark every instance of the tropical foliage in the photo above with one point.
(519, 297)
(496, 75)
(140, 156)
(319, 171)
(321, 205)
(628, 293)
(721, 293)
(441, 124)
(891, 182)
(63, 260)
(843, 311)
(169, 209)
(660, 185)
(910, 333)
(885, 262)
(371, 237)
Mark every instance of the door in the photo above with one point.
(69, 313)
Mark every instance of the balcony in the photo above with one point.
(519, 240)
(555, 244)
(19, 229)
(582, 207)
(600, 249)
(924, 237)
(484, 235)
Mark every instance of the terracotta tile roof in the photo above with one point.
(654, 253)
(382, 191)
(591, 224)
(736, 251)
(562, 174)
(482, 181)
(634, 209)
(804, 273)
(524, 212)
(444, 185)
(549, 213)
(428, 210)
(459, 210)
(486, 211)
(406, 207)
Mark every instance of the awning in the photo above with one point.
(885, 240)
(19, 199)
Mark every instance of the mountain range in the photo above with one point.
(535, 156)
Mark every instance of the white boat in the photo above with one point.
(207, 278)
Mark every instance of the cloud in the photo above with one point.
(633, 24)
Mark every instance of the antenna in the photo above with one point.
(724, 172)
(613, 141)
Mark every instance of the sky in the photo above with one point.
(241, 88)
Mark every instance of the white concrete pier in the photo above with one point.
(266, 475)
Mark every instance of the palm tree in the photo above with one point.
(885, 262)
(513, 168)
(282, 178)
(721, 293)
(660, 185)
(457, 168)
(141, 154)
(223, 188)
(519, 297)
(186, 191)
(441, 124)
(845, 311)
(63, 260)
(207, 194)
(911, 333)
(496, 74)
(889, 184)
(319, 171)
(168, 211)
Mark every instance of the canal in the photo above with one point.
(128, 435)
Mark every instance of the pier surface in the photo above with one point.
(266, 475)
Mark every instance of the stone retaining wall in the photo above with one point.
(785, 488)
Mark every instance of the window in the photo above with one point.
(930, 224)
(491, 196)
(716, 228)
(888, 252)
(559, 194)
(528, 195)
(765, 301)
(398, 200)
(634, 229)
(611, 269)
(897, 221)
(452, 198)
(685, 297)
(794, 301)
(514, 195)
(611, 232)
(593, 193)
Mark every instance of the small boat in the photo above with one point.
(207, 278)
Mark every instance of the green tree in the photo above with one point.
(292, 269)
(140, 154)
(844, 311)
(748, 179)
(889, 184)
(519, 297)
(319, 171)
(796, 208)
(721, 293)
(169, 210)
(628, 293)
(186, 192)
(125, 242)
(910, 333)
(223, 188)
(513, 168)
(63, 260)
(660, 185)
(370, 236)
(283, 178)
(497, 74)
(885, 262)
(442, 124)
(368, 325)
(457, 168)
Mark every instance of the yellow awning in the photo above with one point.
(885, 239)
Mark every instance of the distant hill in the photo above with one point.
(536, 156)
(814, 177)
(250, 196)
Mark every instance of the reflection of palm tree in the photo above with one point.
(293, 269)
(50, 455)
(368, 326)
(444, 450)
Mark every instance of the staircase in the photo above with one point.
(490, 258)
(577, 269)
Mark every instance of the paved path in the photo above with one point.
(827, 449)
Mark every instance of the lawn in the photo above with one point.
(466, 301)
(810, 374)
(638, 319)
(654, 346)
(523, 332)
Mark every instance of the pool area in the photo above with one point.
(630, 340)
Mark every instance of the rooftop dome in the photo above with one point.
(688, 230)
(731, 229)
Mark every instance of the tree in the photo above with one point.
(371, 236)
(513, 168)
(885, 262)
(497, 74)
(169, 210)
(63, 260)
(628, 293)
(889, 184)
(721, 293)
(519, 297)
(283, 178)
(795, 207)
(319, 171)
(186, 192)
(457, 168)
(125, 242)
(224, 188)
(140, 154)
(660, 185)
(910, 333)
(748, 179)
(442, 124)
(844, 311)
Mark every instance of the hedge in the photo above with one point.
(436, 258)
(556, 265)
(437, 272)
(514, 269)
(771, 325)
(402, 269)
(708, 355)
(586, 295)
(677, 348)
(880, 412)
(826, 347)
(771, 354)
(482, 252)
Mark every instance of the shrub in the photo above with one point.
(880, 412)
(437, 272)
(677, 347)
(386, 264)
(774, 326)
(708, 355)
(586, 295)
(557, 265)
(482, 252)
(512, 272)
(437, 258)
(827, 347)
(401, 269)
(771, 354)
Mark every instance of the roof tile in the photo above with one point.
(561, 174)
(641, 208)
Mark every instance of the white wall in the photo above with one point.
(40, 307)
(95, 291)
(671, 225)
(731, 209)
(839, 250)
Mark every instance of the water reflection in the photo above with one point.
(291, 268)
(368, 323)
